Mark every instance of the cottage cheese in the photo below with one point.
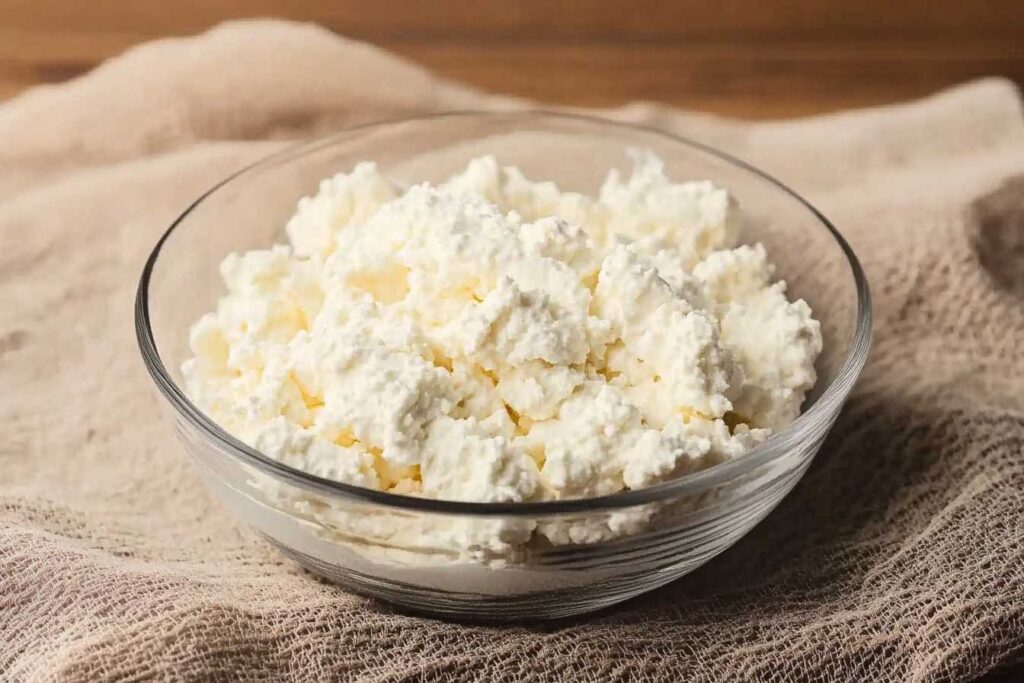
(496, 339)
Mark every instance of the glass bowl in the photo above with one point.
(393, 546)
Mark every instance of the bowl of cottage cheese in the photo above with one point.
(502, 365)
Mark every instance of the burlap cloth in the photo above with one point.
(900, 555)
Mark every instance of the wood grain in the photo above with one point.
(746, 58)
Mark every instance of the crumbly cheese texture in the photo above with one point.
(494, 338)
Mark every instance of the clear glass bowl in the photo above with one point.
(347, 534)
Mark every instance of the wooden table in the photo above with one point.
(749, 58)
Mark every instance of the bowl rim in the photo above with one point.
(777, 445)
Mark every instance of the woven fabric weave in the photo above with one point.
(899, 556)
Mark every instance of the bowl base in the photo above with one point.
(480, 607)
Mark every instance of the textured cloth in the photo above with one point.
(900, 554)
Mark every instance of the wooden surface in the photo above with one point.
(749, 58)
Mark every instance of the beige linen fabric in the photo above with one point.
(900, 555)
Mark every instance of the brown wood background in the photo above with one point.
(750, 58)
